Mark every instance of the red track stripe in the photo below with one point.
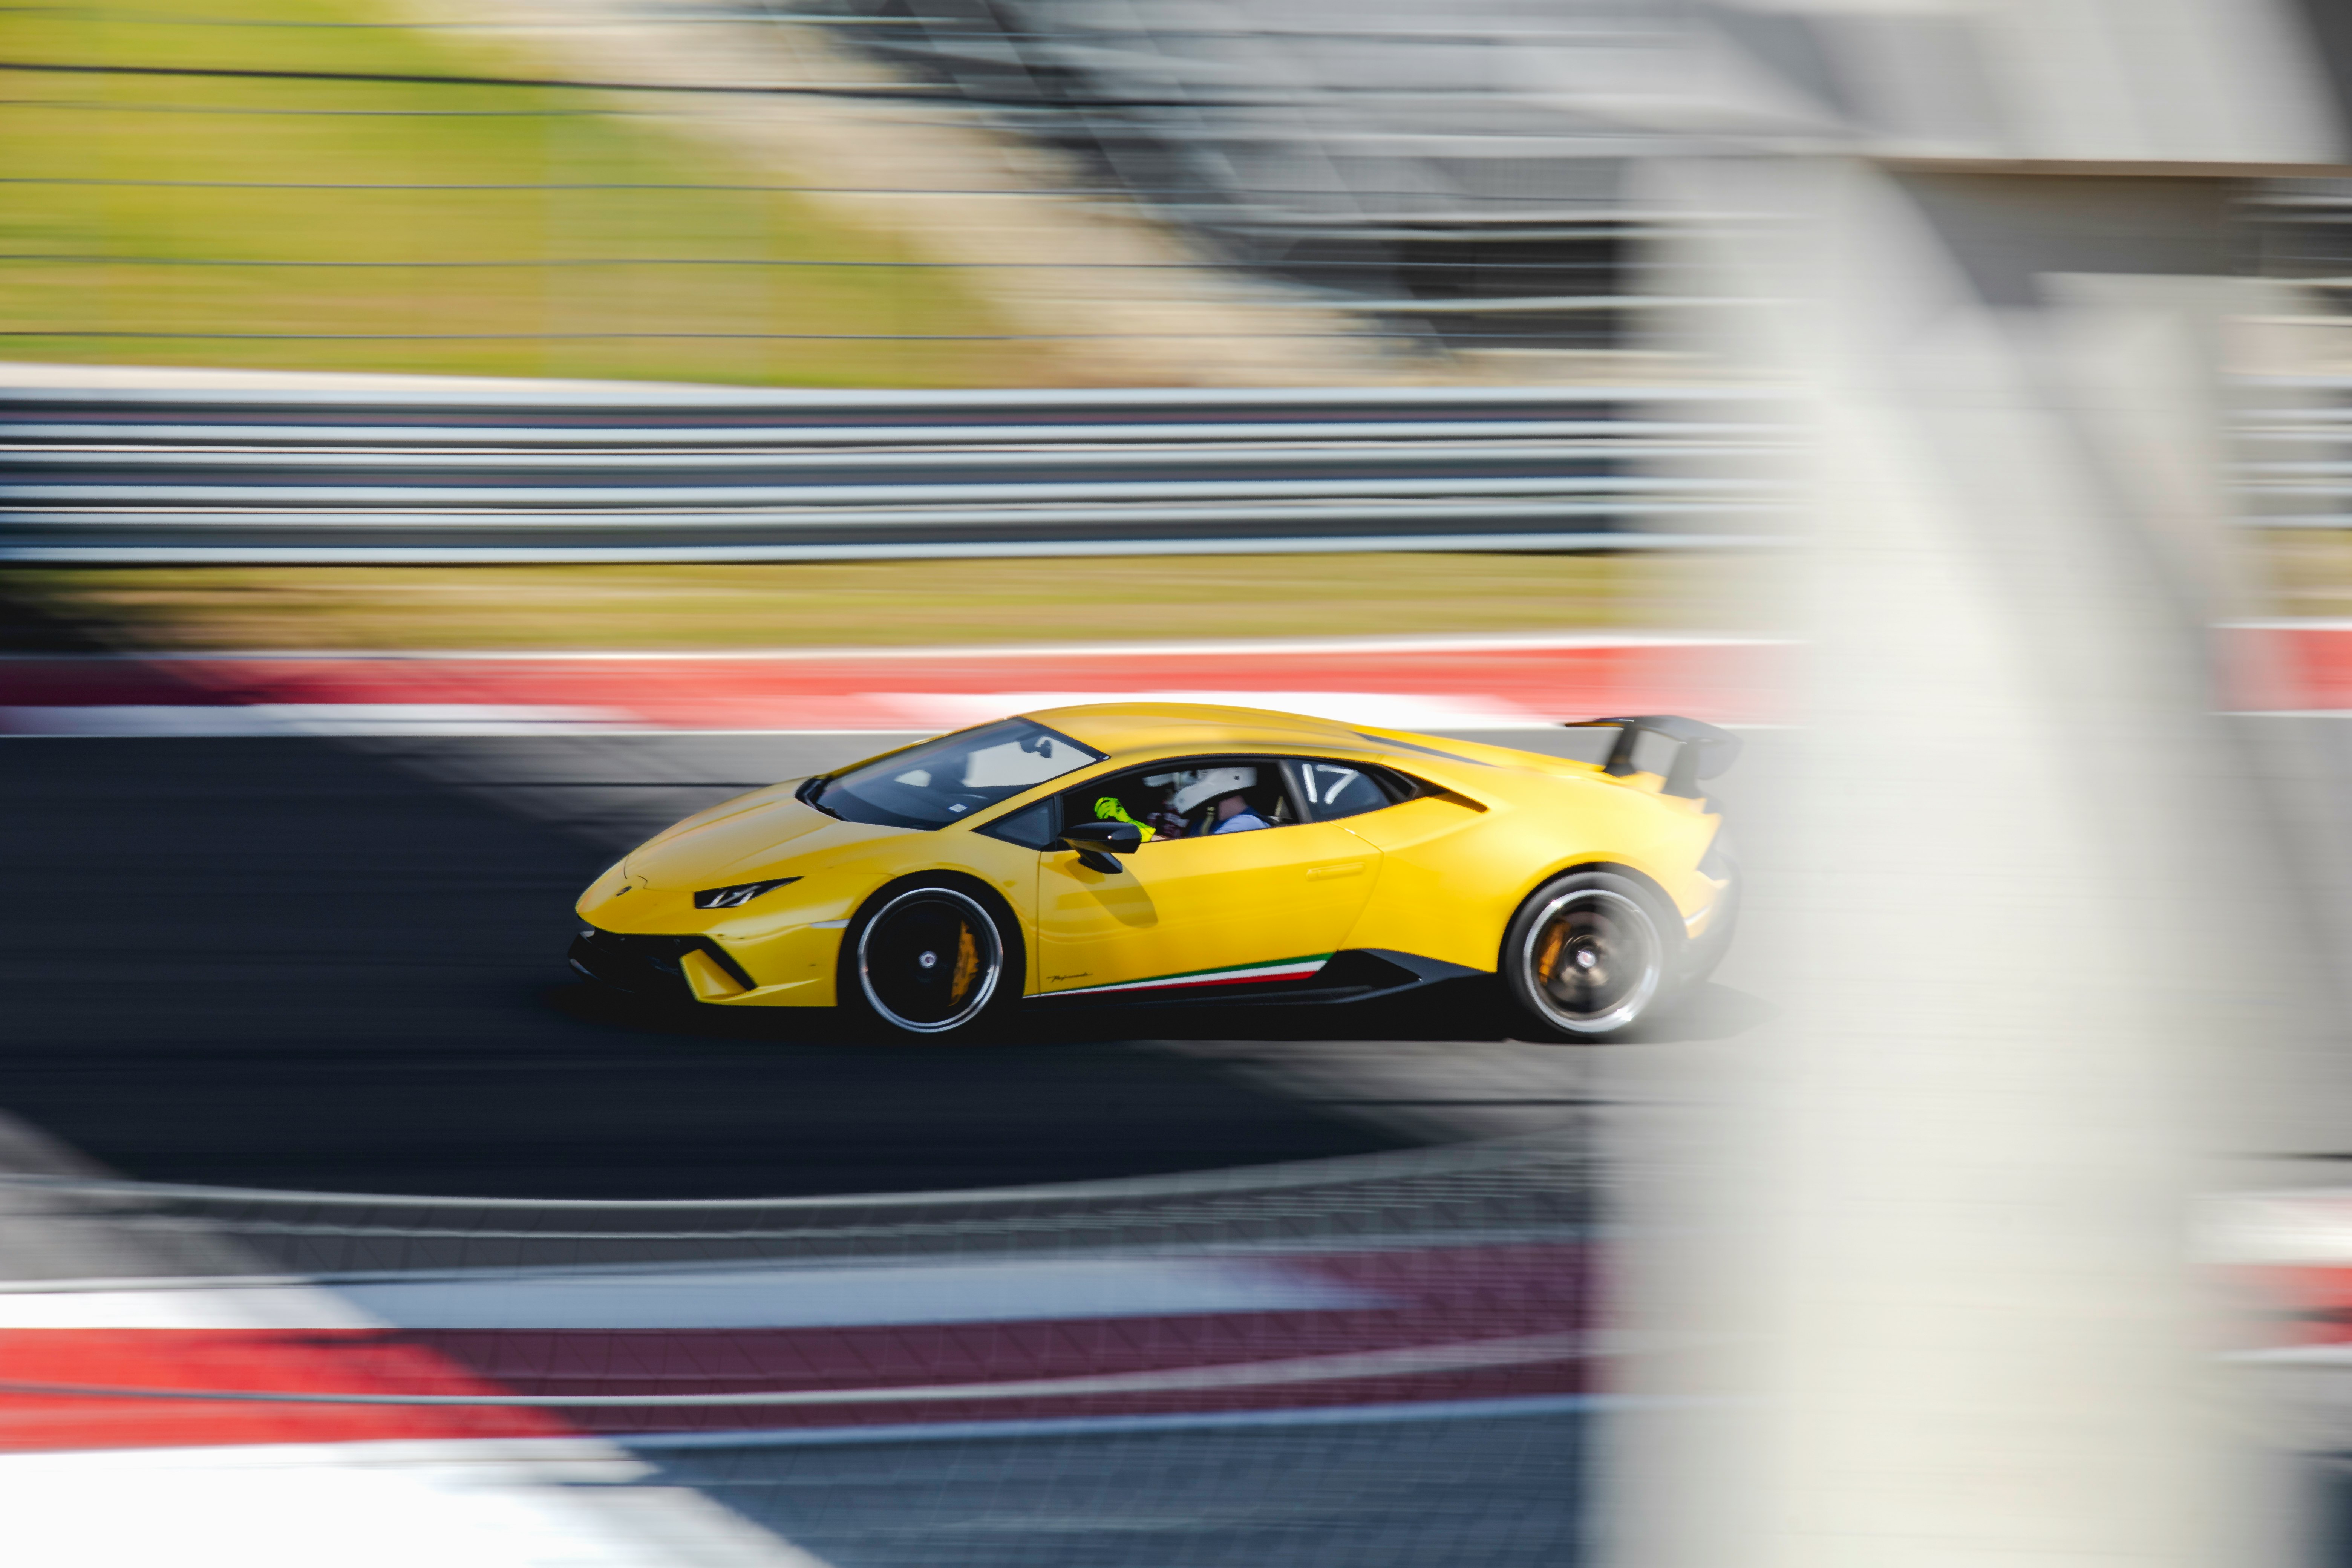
(340, 1362)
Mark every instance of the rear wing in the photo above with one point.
(1699, 751)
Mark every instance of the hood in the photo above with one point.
(706, 851)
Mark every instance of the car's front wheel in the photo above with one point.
(1590, 954)
(929, 960)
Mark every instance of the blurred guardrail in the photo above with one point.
(575, 474)
(2295, 451)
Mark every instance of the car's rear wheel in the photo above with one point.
(928, 961)
(1590, 954)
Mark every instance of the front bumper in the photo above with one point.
(647, 965)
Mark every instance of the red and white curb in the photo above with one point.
(492, 1417)
(745, 1349)
(1472, 683)
(116, 1481)
(2294, 1251)
(501, 1418)
(1412, 683)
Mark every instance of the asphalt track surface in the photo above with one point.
(337, 965)
(1503, 1491)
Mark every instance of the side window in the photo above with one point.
(1033, 827)
(1331, 790)
(1190, 798)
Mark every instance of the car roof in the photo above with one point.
(1150, 731)
(1118, 728)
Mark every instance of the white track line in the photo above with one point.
(535, 1503)
(895, 1295)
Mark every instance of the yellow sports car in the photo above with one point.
(1155, 852)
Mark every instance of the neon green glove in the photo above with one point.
(1108, 809)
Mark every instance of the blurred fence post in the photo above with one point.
(1926, 1269)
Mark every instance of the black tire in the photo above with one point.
(935, 959)
(1591, 954)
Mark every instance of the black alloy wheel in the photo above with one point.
(1590, 954)
(929, 960)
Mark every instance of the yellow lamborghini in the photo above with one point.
(1159, 852)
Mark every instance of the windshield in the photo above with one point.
(944, 780)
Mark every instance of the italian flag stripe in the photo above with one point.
(1232, 974)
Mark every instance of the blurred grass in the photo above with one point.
(2309, 570)
(142, 261)
(872, 602)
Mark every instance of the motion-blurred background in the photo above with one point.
(440, 445)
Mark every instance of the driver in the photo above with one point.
(1231, 812)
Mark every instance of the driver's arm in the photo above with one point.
(1108, 808)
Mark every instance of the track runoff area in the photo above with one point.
(311, 944)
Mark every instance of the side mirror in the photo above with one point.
(1096, 842)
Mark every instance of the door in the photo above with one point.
(1196, 908)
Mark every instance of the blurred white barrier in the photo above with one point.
(558, 472)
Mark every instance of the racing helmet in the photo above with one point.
(1199, 784)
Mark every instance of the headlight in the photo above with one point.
(739, 894)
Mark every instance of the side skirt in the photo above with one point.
(1352, 974)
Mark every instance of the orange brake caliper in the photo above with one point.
(967, 963)
(1548, 954)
